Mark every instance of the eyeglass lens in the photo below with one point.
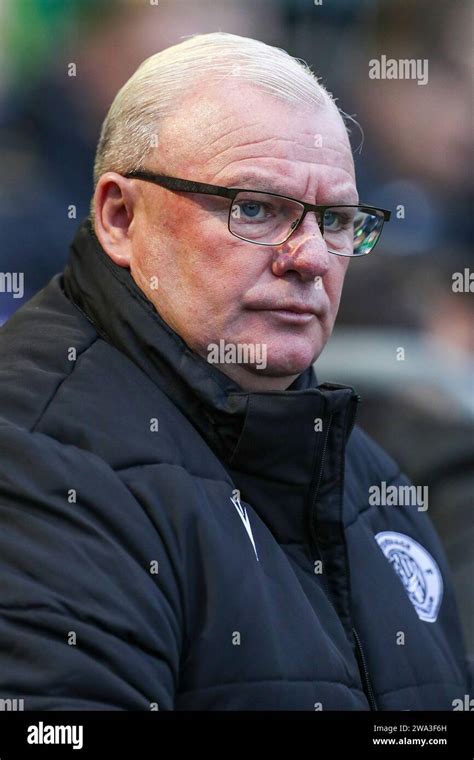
(269, 220)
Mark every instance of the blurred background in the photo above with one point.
(404, 338)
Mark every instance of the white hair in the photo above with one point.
(157, 88)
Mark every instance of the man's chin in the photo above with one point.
(291, 358)
(271, 373)
(281, 370)
(260, 365)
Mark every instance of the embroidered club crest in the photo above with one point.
(417, 570)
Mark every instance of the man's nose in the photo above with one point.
(305, 252)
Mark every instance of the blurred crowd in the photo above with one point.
(413, 153)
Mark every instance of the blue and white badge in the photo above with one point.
(417, 570)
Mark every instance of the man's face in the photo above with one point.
(209, 285)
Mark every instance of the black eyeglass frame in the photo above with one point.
(189, 186)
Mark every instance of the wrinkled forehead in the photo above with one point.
(231, 120)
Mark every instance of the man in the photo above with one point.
(186, 514)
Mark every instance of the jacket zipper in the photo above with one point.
(320, 474)
(369, 692)
(361, 661)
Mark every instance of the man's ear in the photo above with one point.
(114, 202)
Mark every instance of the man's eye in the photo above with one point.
(332, 221)
(336, 221)
(251, 210)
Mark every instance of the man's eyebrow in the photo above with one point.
(252, 181)
(256, 182)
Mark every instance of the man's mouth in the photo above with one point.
(295, 317)
(295, 313)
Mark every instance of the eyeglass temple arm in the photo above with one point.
(183, 185)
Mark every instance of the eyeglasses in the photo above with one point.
(270, 219)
